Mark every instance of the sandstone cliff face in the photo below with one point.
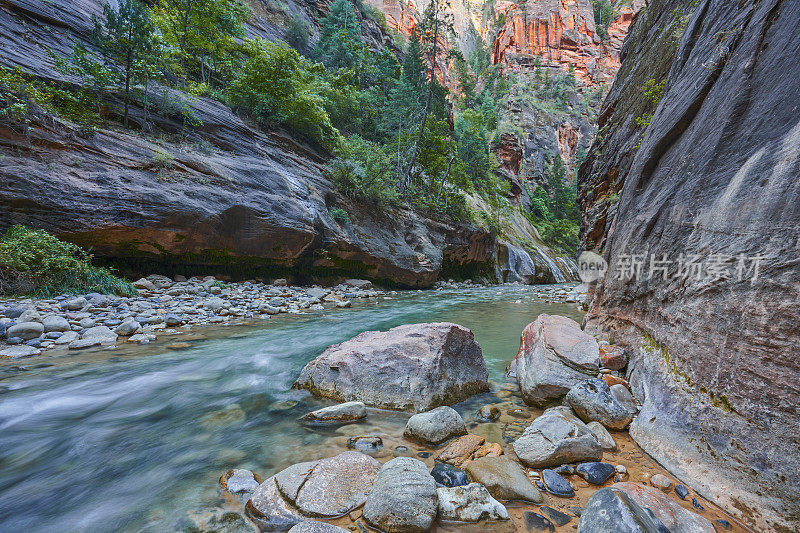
(714, 351)
(227, 196)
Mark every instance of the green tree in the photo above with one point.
(296, 34)
(473, 149)
(126, 39)
(202, 33)
(340, 44)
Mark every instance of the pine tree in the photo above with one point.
(126, 38)
(340, 43)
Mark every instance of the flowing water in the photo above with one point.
(136, 438)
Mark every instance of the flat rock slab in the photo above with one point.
(403, 499)
(460, 450)
(469, 503)
(676, 518)
(19, 351)
(504, 479)
(592, 401)
(554, 354)
(435, 426)
(556, 438)
(329, 487)
(343, 413)
(414, 367)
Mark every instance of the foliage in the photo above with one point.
(365, 171)
(339, 215)
(276, 84)
(296, 34)
(54, 266)
(604, 14)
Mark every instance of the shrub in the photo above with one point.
(364, 171)
(52, 266)
(339, 215)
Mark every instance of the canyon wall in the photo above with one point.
(691, 193)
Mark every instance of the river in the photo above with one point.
(135, 438)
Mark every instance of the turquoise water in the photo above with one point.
(135, 439)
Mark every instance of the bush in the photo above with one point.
(339, 215)
(52, 266)
(364, 171)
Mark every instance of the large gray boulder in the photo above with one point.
(403, 499)
(675, 518)
(554, 354)
(592, 401)
(411, 367)
(55, 323)
(555, 438)
(25, 330)
(435, 426)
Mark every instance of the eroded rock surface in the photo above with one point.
(404, 498)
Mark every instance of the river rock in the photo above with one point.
(411, 367)
(362, 284)
(68, 337)
(504, 479)
(25, 330)
(449, 475)
(677, 519)
(19, 351)
(557, 485)
(343, 413)
(487, 413)
(554, 355)
(536, 522)
(14, 311)
(660, 481)
(143, 283)
(594, 472)
(329, 487)
(315, 526)
(591, 399)
(30, 315)
(403, 499)
(602, 435)
(365, 444)
(102, 334)
(469, 503)
(127, 328)
(557, 517)
(435, 426)
(625, 398)
(269, 510)
(76, 304)
(460, 450)
(611, 510)
(239, 481)
(612, 357)
(55, 323)
(555, 438)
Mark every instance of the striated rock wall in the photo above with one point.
(712, 173)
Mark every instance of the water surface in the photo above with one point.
(136, 438)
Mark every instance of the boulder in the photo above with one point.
(469, 503)
(505, 479)
(127, 328)
(676, 518)
(55, 323)
(343, 413)
(31, 315)
(144, 284)
(403, 499)
(68, 337)
(555, 438)
(624, 397)
(268, 509)
(25, 330)
(611, 510)
(592, 401)
(315, 526)
(411, 367)
(554, 354)
(362, 284)
(102, 334)
(76, 304)
(435, 426)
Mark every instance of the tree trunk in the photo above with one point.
(444, 178)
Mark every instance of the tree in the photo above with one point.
(437, 23)
(200, 30)
(296, 34)
(126, 39)
(340, 44)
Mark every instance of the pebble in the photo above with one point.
(660, 481)
(557, 517)
(681, 491)
(596, 473)
(449, 475)
(723, 523)
(697, 505)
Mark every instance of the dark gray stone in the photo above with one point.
(557, 517)
(595, 473)
(536, 522)
(592, 401)
(449, 475)
(612, 511)
(556, 484)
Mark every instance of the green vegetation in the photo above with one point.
(339, 215)
(652, 92)
(50, 267)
